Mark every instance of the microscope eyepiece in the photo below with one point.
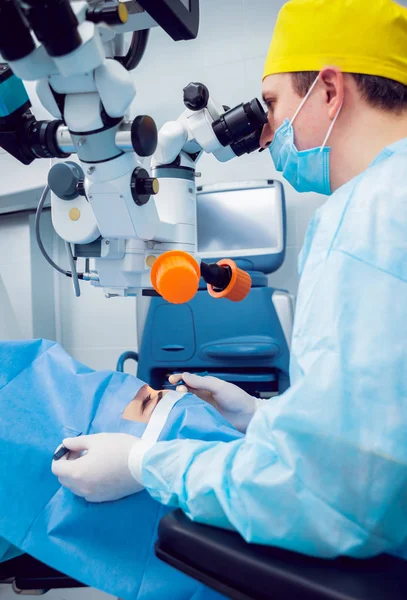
(16, 41)
(247, 145)
(54, 24)
(241, 125)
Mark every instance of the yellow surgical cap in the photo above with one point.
(358, 36)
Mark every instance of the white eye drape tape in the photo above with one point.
(152, 432)
(159, 416)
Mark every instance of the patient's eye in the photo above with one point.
(145, 402)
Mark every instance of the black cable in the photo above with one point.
(45, 254)
(136, 51)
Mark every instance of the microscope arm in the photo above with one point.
(106, 205)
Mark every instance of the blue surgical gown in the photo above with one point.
(323, 468)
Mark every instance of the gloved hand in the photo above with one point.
(231, 401)
(98, 468)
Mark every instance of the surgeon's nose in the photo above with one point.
(266, 136)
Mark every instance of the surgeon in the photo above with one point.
(323, 468)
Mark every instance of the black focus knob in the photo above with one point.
(144, 135)
(143, 186)
(110, 13)
(196, 96)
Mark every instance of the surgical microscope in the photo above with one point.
(126, 204)
(134, 224)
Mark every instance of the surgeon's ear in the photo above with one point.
(333, 81)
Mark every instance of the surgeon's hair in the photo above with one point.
(380, 92)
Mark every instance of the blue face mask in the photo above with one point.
(306, 170)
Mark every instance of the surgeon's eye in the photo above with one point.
(269, 104)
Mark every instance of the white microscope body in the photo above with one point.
(170, 221)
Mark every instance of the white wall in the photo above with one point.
(227, 56)
(95, 330)
(15, 281)
(27, 303)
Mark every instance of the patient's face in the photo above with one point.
(142, 406)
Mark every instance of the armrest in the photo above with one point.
(28, 574)
(224, 561)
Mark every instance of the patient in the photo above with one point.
(46, 396)
(142, 406)
(139, 409)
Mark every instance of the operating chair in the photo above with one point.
(223, 561)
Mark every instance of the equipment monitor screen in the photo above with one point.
(240, 221)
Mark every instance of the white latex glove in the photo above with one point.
(236, 405)
(99, 471)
